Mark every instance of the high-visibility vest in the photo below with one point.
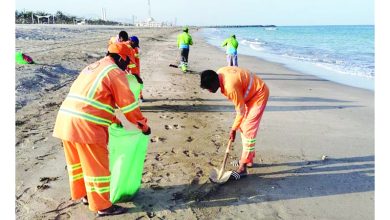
(184, 40)
(231, 45)
(88, 109)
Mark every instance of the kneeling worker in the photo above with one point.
(249, 94)
(82, 125)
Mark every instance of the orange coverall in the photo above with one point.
(133, 56)
(82, 125)
(249, 94)
(135, 69)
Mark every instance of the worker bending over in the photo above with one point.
(249, 94)
(82, 125)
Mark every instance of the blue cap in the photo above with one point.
(135, 40)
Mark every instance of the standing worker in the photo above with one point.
(231, 45)
(82, 125)
(249, 94)
(136, 69)
(184, 40)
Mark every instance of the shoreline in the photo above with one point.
(306, 118)
(318, 69)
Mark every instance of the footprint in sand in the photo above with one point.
(199, 172)
(158, 157)
(166, 117)
(175, 126)
(190, 139)
(158, 139)
(195, 181)
(45, 181)
(217, 145)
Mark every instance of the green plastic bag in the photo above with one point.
(19, 58)
(127, 151)
(134, 85)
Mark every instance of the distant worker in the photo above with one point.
(249, 94)
(82, 125)
(184, 40)
(136, 69)
(231, 45)
(121, 37)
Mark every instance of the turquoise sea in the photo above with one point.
(344, 53)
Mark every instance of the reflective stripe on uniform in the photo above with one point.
(86, 116)
(92, 102)
(76, 177)
(249, 86)
(74, 167)
(250, 140)
(97, 179)
(249, 149)
(248, 144)
(131, 65)
(99, 190)
(99, 79)
(130, 107)
(136, 55)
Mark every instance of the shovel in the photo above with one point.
(221, 176)
(176, 66)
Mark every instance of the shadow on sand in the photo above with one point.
(230, 108)
(274, 182)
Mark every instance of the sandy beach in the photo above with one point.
(306, 118)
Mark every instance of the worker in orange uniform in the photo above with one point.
(82, 125)
(250, 95)
(136, 69)
(121, 37)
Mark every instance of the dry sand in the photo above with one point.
(306, 118)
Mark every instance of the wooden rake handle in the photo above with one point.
(225, 159)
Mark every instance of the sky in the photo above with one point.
(216, 12)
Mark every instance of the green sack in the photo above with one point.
(127, 150)
(134, 85)
(19, 58)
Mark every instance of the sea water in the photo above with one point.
(343, 54)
